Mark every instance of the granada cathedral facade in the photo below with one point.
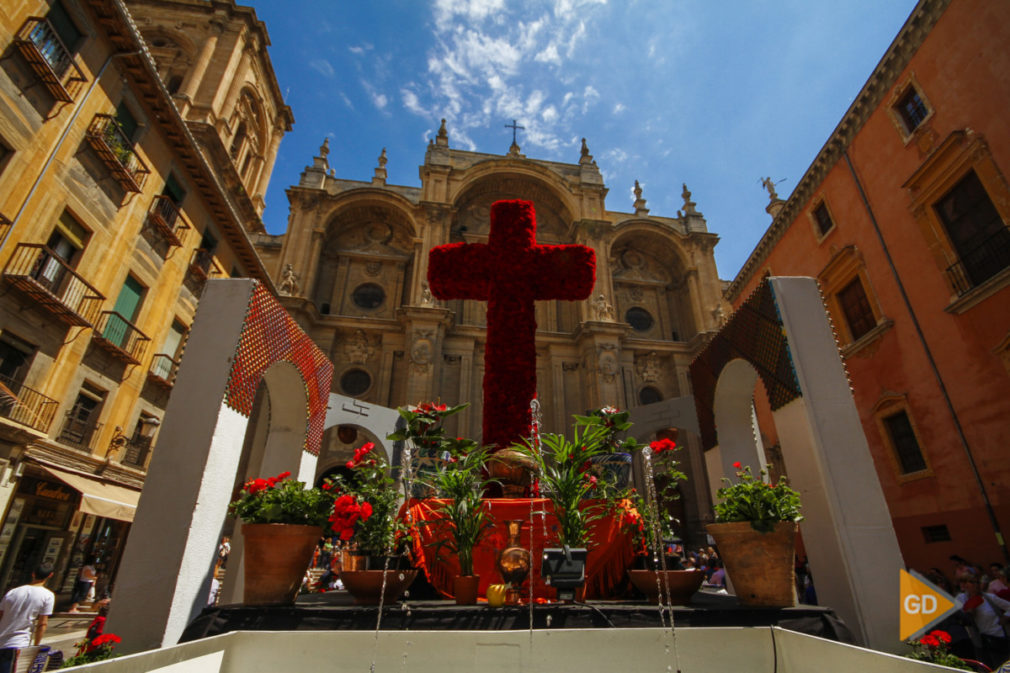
(351, 269)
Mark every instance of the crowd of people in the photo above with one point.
(978, 629)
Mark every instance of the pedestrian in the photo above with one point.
(988, 615)
(24, 616)
(86, 577)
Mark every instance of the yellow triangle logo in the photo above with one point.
(922, 605)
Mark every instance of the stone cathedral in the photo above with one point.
(352, 265)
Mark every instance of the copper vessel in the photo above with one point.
(513, 470)
(514, 560)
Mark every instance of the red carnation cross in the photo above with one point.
(510, 272)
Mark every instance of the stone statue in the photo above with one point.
(604, 311)
(770, 186)
(289, 281)
(382, 158)
(638, 191)
(426, 298)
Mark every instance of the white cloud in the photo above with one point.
(549, 114)
(347, 101)
(469, 10)
(323, 67)
(619, 108)
(549, 55)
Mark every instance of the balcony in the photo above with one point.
(106, 137)
(53, 284)
(5, 226)
(981, 262)
(166, 219)
(136, 451)
(79, 433)
(163, 370)
(27, 406)
(50, 59)
(120, 338)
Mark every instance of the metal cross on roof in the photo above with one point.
(515, 127)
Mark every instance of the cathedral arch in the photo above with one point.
(365, 260)
(650, 274)
(174, 54)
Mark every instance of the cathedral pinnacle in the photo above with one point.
(442, 139)
(640, 208)
(585, 158)
(689, 205)
(380, 171)
(320, 162)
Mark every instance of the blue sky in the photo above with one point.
(713, 94)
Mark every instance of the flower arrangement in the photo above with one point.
(98, 648)
(281, 499)
(761, 503)
(462, 509)
(365, 506)
(932, 647)
(566, 478)
(614, 421)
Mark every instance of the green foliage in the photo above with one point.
(462, 509)
(762, 504)
(282, 500)
(657, 522)
(932, 647)
(566, 478)
(425, 428)
(614, 422)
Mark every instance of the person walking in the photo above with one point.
(988, 614)
(86, 577)
(24, 615)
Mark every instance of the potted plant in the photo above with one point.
(424, 429)
(755, 532)
(566, 478)
(461, 510)
(282, 521)
(933, 647)
(662, 576)
(365, 513)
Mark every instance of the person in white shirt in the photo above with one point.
(989, 613)
(24, 615)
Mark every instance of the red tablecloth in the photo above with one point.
(610, 552)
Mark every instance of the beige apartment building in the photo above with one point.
(135, 149)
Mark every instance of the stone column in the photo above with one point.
(224, 112)
(268, 169)
(191, 85)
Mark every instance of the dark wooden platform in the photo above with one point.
(335, 611)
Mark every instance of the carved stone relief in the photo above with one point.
(357, 349)
(649, 368)
(607, 365)
(422, 351)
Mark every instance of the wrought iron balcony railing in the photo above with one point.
(120, 337)
(79, 433)
(107, 138)
(27, 406)
(49, 280)
(137, 450)
(50, 59)
(166, 218)
(163, 370)
(5, 225)
(981, 263)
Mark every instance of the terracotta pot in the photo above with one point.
(366, 585)
(276, 556)
(464, 588)
(656, 584)
(760, 565)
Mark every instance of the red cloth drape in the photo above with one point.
(610, 551)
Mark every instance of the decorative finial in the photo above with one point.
(442, 139)
(585, 148)
(689, 205)
(638, 191)
(514, 147)
(324, 149)
(382, 158)
(640, 208)
(686, 194)
(380, 171)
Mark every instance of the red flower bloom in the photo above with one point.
(737, 465)
(661, 445)
(929, 641)
(942, 636)
(106, 639)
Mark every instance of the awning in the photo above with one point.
(100, 498)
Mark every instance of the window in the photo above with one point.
(639, 319)
(368, 296)
(5, 154)
(119, 328)
(904, 442)
(237, 141)
(856, 308)
(139, 445)
(355, 382)
(15, 359)
(822, 219)
(58, 40)
(938, 533)
(82, 418)
(64, 250)
(166, 359)
(977, 232)
(649, 395)
(911, 109)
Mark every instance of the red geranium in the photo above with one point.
(737, 465)
(661, 445)
(347, 511)
(942, 636)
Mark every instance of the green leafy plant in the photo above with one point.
(282, 500)
(932, 647)
(425, 428)
(461, 508)
(752, 499)
(367, 504)
(566, 478)
(615, 422)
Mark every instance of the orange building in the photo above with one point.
(903, 218)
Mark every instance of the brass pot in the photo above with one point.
(514, 470)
